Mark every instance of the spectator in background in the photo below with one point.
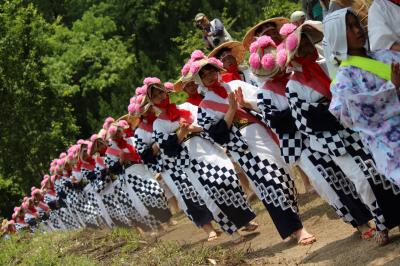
(312, 9)
(383, 26)
(298, 18)
(214, 32)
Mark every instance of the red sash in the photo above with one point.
(100, 161)
(240, 114)
(314, 83)
(276, 85)
(184, 117)
(127, 155)
(146, 127)
(87, 166)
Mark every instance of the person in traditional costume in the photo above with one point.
(31, 216)
(294, 146)
(43, 209)
(252, 145)
(18, 216)
(308, 91)
(7, 229)
(206, 165)
(383, 25)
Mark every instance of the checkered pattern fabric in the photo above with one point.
(273, 183)
(291, 145)
(141, 146)
(116, 212)
(221, 184)
(329, 140)
(236, 143)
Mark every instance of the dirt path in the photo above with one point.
(337, 243)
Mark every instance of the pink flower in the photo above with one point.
(81, 141)
(62, 155)
(94, 137)
(291, 42)
(70, 156)
(53, 178)
(265, 41)
(123, 123)
(197, 55)
(108, 122)
(132, 108)
(268, 61)
(112, 130)
(169, 86)
(139, 99)
(281, 58)
(141, 90)
(194, 68)
(215, 61)
(254, 61)
(287, 29)
(185, 69)
(132, 100)
(254, 47)
(151, 80)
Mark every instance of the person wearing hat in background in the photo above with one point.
(252, 145)
(269, 27)
(214, 32)
(205, 165)
(383, 25)
(232, 56)
(308, 91)
(298, 17)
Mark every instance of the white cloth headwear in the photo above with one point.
(335, 40)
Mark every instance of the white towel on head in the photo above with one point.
(335, 41)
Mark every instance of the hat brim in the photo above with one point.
(178, 85)
(249, 37)
(237, 50)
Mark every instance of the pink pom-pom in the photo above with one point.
(93, 137)
(197, 55)
(102, 134)
(53, 178)
(61, 162)
(34, 192)
(139, 99)
(141, 90)
(194, 68)
(254, 61)
(63, 155)
(46, 177)
(151, 80)
(24, 205)
(132, 108)
(216, 61)
(265, 41)
(185, 69)
(81, 141)
(287, 29)
(254, 47)
(112, 129)
(70, 156)
(281, 58)
(108, 122)
(132, 100)
(268, 61)
(291, 42)
(123, 123)
(169, 86)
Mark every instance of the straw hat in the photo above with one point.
(196, 66)
(237, 50)
(249, 37)
(263, 57)
(313, 30)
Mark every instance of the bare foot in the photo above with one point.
(304, 238)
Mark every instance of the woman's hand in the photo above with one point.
(155, 148)
(195, 129)
(396, 75)
(233, 104)
(182, 132)
(240, 99)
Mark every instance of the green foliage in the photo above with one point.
(66, 65)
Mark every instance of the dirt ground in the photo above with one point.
(337, 243)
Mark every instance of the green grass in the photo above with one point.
(121, 246)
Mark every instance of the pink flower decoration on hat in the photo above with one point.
(112, 129)
(108, 122)
(254, 47)
(24, 205)
(132, 108)
(35, 191)
(287, 29)
(268, 61)
(215, 61)
(102, 134)
(94, 137)
(80, 142)
(140, 98)
(265, 41)
(123, 123)
(46, 177)
(141, 90)
(151, 80)
(194, 68)
(53, 178)
(63, 155)
(169, 86)
(291, 42)
(255, 61)
(186, 68)
(281, 58)
(197, 55)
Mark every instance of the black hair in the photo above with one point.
(208, 67)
